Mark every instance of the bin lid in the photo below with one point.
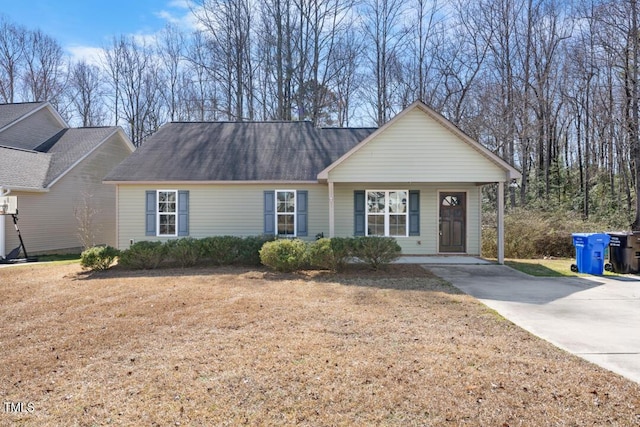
(620, 233)
(591, 238)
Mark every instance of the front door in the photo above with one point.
(453, 223)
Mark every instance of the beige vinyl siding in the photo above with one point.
(31, 132)
(216, 210)
(47, 220)
(427, 242)
(417, 148)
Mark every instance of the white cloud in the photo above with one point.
(89, 54)
(180, 13)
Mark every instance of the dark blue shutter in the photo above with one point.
(183, 213)
(270, 212)
(150, 221)
(414, 213)
(302, 208)
(359, 212)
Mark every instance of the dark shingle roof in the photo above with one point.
(23, 168)
(37, 169)
(228, 151)
(71, 146)
(12, 112)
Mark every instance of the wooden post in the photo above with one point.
(500, 218)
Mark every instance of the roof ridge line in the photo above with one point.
(8, 147)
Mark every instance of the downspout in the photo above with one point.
(3, 248)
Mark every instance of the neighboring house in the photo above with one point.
(55, 171)
(418, 178)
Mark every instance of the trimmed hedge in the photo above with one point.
(187, 252)
(321, 255)
(221, 250)
(285, 255)
(98, 258)
(143, 255)
(376, 251)
(184, 252)
(281, 255)
(249, 251)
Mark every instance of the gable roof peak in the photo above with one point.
(16, 112)
(441, 120)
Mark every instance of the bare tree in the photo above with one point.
(87, 94)
(382, 25)
(348, 76)
(134, 77)
(277, 54)
(425, 43)
(12, 40)
(171, 52)
(228, 27)
(44, 78)
(200, 80)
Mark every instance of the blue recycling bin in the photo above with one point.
(590, 251)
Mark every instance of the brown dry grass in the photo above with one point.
(235, 346)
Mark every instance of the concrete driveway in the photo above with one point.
(596, 318)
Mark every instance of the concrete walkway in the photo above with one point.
(441, 260)
(596, 318)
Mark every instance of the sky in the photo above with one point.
(83, 26)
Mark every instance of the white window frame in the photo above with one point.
(158, 213)
(386, 214)
(294, 213)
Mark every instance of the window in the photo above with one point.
(451, 201)
(286, 212)
(167, 212)
(387, 213)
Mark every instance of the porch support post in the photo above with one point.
(500, 218)
(3, 248)
(331, 211)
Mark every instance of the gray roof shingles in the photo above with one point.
(37, 169)
(72, 145)
(9, 113)
(237, 151)
(23, 168)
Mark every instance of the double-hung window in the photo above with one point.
(167, 213)
(286, 212)
(387, 213)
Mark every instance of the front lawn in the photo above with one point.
(230, 346)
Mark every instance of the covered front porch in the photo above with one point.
(427, 219)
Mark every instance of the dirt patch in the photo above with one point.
(229, 346)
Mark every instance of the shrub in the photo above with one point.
(143, 255)
(98, 258)
(222, 250)
(185, 252)
(321, 254)
(534, 234)
(376, 251)
(284, 255)
(343, 248)
(249, 251)
(332, 254)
